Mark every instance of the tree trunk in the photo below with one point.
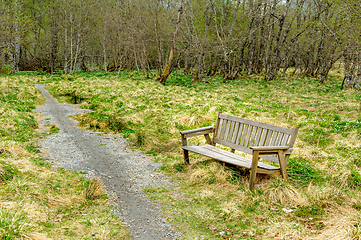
(162, 79)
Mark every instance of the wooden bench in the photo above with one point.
(273, 143)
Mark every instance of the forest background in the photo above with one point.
(215, 37)
(266, 60)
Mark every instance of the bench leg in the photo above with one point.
(186, 157)
(281, 157)
(252, 178)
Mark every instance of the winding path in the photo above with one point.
(125, 173)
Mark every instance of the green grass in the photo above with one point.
(324, 170)
(38, 201)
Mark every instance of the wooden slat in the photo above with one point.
(274, 138)
(260, 131)
(197, 130)
(263, 137)
(193, 134)
(244, 134)
(271, 158)
(208, 139)
(217, 125)
(227, 131)
(219, 128)
(254, 133)
(293, 137)
(239, 135)
(235, 156)
(285, 140)
(268, 138)
(224, 127)
(257, 124)
(250, 129)
(279, 139)
(231, 132)
(235, 134)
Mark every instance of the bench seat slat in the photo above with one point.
(225, 156)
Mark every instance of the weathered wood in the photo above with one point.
(239, 135)
(208, 139)
(236, 129)
(252, 178)
(186, 156)
(231, 132)
(223, 131)
(254, 133)
(259, 134)
(260, 140)
(263, 137)
(219, 129)
(257, 124)
(184, 140)
(225, 156)
(216, 133)
(270, 148)
(244, 134)
(279, 140)
(190, 132)
(285, 140)
(273, 140)
(268, 138)
(248, 136)
(227, 131)
(248, 150)
(281, 157)
(293, 137)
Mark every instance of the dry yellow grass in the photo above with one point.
(38, 201)
(324, 170)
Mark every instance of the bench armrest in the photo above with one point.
(197, 132)
(272, 149)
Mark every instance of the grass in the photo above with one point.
(323, 195)
(322, 198)
(38, 201)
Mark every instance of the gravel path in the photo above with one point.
(124, 172)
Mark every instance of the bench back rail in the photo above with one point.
(241, 134)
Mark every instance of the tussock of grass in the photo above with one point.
(324, 172)
(38, 201)
(94, 190)
(283, 192)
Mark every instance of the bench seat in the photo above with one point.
(228, 157)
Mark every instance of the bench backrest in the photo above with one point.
(241, 134)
